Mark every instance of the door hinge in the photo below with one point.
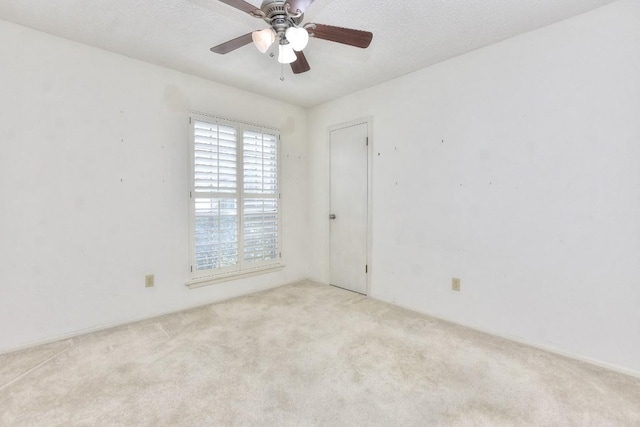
(280, 255)
(192, 268)
(189, 120)
(366, 269)
(367, 141)
(190, 195)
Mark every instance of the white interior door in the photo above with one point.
(349, 207)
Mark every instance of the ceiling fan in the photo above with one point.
(284, 18)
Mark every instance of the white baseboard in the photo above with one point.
(523, 341)
(519, 340)
(135, 320)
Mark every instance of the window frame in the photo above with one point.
(242, 268)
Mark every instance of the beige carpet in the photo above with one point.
(305, 354)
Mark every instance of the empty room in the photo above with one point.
(320, 213)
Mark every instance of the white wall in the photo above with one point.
(93, 181)
(516, 168)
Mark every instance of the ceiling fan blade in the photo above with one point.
(348, 36)
(232, 45)
(300, 65)
(299, 5)
(241, 4)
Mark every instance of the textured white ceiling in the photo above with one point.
(408, 35)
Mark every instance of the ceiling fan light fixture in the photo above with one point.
(263, 39)
(286, 28)
(286, 55)
(297, 37)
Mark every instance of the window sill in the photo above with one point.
(212, 280)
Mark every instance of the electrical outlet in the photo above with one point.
(455, 284)
(148, 281)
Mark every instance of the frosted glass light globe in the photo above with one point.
(263, 39)
(297, 37)
(286, 54)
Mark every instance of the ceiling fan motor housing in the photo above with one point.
(279, 16)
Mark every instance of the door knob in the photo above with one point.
(332, 216)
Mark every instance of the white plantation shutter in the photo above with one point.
(235, 217)
(260, 210)
(260, 163)
(260, 229)
(216, 196)
(216, 233)
(215, 157)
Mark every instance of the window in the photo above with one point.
(234, 199)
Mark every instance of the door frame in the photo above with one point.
(368, 120)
